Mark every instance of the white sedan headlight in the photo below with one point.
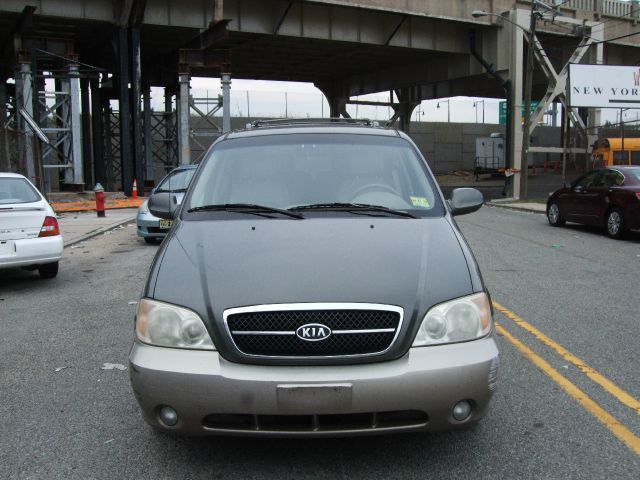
(167, 325)
(458, 320)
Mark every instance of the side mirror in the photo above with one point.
(567, 185)
(465, 200)
(163, 205)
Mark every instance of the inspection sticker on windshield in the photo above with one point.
(419, 202)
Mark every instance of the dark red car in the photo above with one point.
(608, 197)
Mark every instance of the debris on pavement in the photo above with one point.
(113, 366)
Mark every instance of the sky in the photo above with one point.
(259, 98)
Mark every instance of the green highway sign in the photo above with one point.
(502, 110)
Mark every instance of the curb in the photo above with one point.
(100, 231)
(515, 208)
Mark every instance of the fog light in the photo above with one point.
(168, 416)
(462, 410)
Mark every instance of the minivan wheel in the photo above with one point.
(614, 223)
(48, 270)
(554, 216)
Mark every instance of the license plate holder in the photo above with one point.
(166, 224)
(319, 399)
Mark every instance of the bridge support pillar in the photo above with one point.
(86, 134)
(183, 118)
(136, 114)
(517, 79)
(125, 111)
(226, 102)
(99, 167)
(4, 141)
(25, 85)
(77, 175)
(148, 154)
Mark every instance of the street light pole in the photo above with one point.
(524, 174)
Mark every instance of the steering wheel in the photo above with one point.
(375, 187)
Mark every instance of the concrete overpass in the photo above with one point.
(118, 49)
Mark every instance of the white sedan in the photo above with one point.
(29, 232)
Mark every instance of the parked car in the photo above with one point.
(314, 283)
(29, 232)
(152, 228)
(606, 197)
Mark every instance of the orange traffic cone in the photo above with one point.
(134, 190)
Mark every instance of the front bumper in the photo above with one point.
(31, 251)
(149, 226)
(417, 392)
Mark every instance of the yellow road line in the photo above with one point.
(619, 430)
(598, 378)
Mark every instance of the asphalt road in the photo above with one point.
(67, 409)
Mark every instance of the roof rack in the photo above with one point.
(312, 121)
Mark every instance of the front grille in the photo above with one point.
(276, 330)
(316, 423)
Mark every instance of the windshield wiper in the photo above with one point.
(245, 208)
(357, 208)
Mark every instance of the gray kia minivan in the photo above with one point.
(314, 283)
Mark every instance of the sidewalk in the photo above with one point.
(86, 201)
(78, 227)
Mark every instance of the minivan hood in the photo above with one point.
(212, 265)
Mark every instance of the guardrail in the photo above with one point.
(610, 8)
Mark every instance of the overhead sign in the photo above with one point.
(603, 86)
(502, 110)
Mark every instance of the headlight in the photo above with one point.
(143, 209)
(167, 325)
(458, 320)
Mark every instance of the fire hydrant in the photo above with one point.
(99, 191)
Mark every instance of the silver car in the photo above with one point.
(152, 228)
(314, 283)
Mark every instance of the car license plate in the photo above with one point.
(7, 248)
(316, 398)
(166, 224)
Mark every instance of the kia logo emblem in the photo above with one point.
(313, 332)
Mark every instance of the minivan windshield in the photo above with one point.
(299, 170)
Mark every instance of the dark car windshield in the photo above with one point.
(17, 190)
(177, 180)
(302, 169)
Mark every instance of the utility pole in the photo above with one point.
(524, 175)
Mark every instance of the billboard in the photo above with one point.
(603, 86)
